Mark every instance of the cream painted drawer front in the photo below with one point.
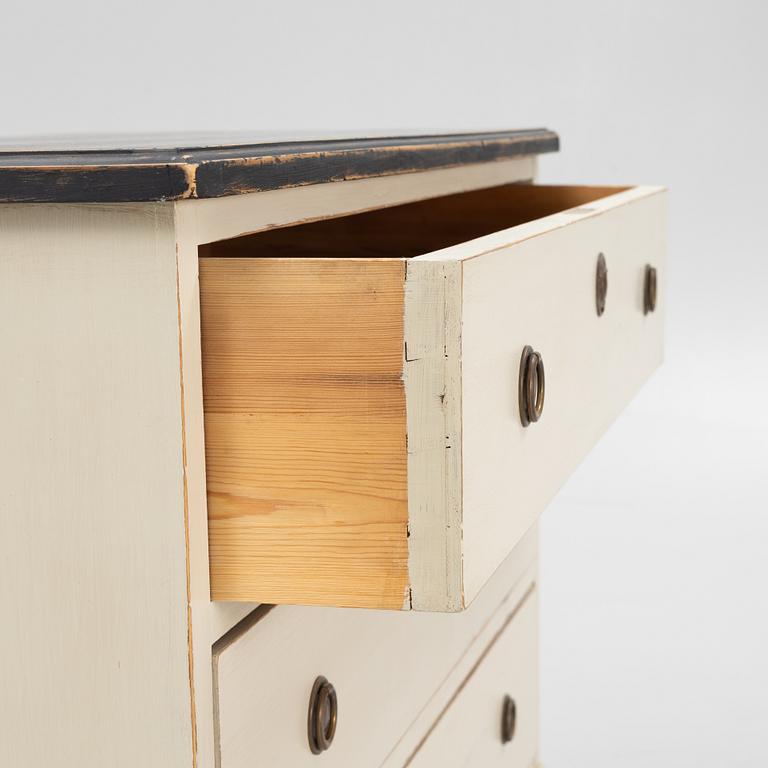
(364, 443)
(469, 731)
(535, 285)
(390, 670)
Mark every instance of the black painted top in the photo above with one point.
(142, 169)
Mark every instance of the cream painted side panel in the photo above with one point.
(540, 290)
(94, 648)
(469, 732)
(393, 673)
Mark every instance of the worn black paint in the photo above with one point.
(204, 172)
(103, 184)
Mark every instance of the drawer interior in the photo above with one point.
(413, 229)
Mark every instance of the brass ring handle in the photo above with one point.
(601, 284)
(322, 716)
(535, 376)
(531, 386)
(508, 719)
(649, 292)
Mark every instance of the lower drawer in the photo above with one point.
(392, 673)
(493, 719)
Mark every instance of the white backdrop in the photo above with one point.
(654, 575)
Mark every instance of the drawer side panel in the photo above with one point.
(305, 430)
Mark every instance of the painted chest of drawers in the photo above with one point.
(279, 419)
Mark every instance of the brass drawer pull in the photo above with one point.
(531, 386)
(649, 294)
(322, 716)
(601, 284)
(508, 719)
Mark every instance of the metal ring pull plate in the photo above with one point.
(322, 716)
(531, 386)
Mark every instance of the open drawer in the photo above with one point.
(366, 398)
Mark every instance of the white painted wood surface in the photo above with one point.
(204, 221)
(433, 406)
(468, 733)
(93, 650)
(531, 284)
(541, 291)
(391, 671)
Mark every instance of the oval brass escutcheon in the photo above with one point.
(531, 386)
(322, 716)
(508, 719)
(649, 292)
(601, 284)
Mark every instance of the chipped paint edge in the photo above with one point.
(432, 373)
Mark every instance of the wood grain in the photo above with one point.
(305, 430)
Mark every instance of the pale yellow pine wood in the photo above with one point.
(305, 430)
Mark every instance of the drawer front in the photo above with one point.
(388, 670)
(364, 440)
(540, 292)
(494, 718)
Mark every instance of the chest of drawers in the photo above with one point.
(281, 417)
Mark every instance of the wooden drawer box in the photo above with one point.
(361, 377)
(389, 670)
